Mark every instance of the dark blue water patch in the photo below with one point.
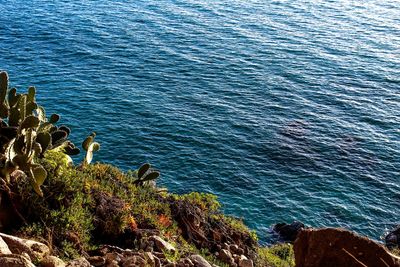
(285, 110)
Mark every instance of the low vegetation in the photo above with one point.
(280, 255)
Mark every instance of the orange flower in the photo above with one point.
(168, 235)
(132, 223)
(164, 220)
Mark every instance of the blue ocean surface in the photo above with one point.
(287, 110)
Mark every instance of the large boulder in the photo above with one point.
(288, 232)
(14, 260)
(36, 250)
(199, 261)
(330, 247)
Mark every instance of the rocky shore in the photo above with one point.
(312, 248)
(21, 252)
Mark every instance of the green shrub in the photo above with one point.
(280, 255)
(69, 212)
(64, 216)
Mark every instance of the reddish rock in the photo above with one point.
(331, 247)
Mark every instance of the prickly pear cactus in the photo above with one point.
(145, 174)
(90, 146)
(26, 134)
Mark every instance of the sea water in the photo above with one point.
(287, 110)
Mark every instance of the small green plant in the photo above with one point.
(280, 255)
(172, 256)
(211, 258)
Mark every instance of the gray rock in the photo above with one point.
(185, 262)
(97, 261)
(36, 250)
(13, 260)
(161, 244)
(134, 261)
(226, 256)
(52, 261)
(113, 256)
(112, 264)
(199, 261)
(245, 262)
